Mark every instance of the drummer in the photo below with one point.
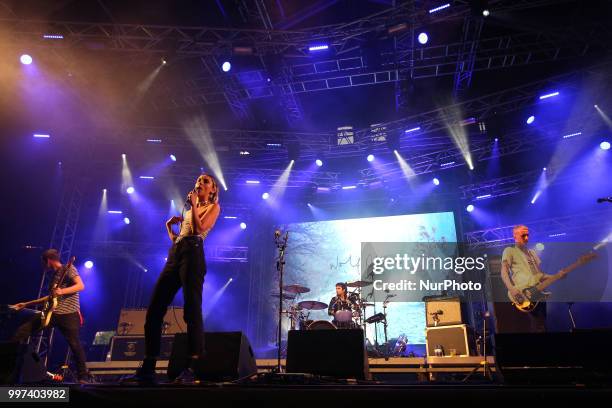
(342, 307)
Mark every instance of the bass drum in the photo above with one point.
(321, 325)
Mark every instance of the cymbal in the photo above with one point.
(312, 305)
(296, 289)
(358, 284)
(287, 296)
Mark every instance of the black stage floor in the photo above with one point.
(356, 395)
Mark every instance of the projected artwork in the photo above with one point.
(325, 252)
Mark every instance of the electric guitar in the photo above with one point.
(52, 300)
(533, 295)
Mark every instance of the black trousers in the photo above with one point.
(186, 268)
(509, 320)
(69, 325)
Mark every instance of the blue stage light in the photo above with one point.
(530, 120)
(89, 264)
(370, 157)
(25, 59)
(173, 157)
(243, 225)
(319, 162)
(265, 196)
(604, 145)
(130, 190)
(226, 66)
(469, 208)
(423, 38)
(126, 221)
(436, 181)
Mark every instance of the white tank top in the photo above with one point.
(187, 229)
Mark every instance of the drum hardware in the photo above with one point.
(358, 284)
(296, 289)
(312, 305)
(322, 325)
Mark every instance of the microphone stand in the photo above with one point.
(281, 244)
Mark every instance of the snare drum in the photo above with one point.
(344, 316)
(321, 325)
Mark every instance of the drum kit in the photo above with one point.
(299, 311)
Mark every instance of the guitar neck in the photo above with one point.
(557, 276)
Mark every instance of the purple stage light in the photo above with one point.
(319, 162)
(41, 136)
(436, 9)
(115, 212)
(25, 59)
(89, 264)
(469, 208)
(436, 181)
(423, 38)
(243, 225)
(173, 157)
(320, 47)
(130, 190)
(252, 181)
(265, 196)
(349, 187)
(370, 157)
(604, 145)
(126, 221)
(226, 66)
(550, 95)
(530, 120)
(412, 130)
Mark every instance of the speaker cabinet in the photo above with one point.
(334, 353)
(20, 364)
(450, 308)
(446, 338)
(131, 322)
(132, 348)
(228, 357)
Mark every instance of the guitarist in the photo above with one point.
(67, 315)
(521, 268)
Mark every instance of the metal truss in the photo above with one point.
(143, 250)
(542, 229)
(460, 59)
(230, 87)
(472, 28)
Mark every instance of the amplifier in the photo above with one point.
(132, 348)
(131, 322)
(444, 339)
(443, 311)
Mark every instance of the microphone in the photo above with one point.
(604, 199)
(187, 200)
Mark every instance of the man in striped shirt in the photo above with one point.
(66, 317)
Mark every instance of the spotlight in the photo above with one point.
(469, 208)
(549, 95)
(265, 196)
(25, 59)
(126, 221)
(319, 162)
(486, 13)
(242, 225)
(252, 181)
(115, 212)
(123, 156)
(130, 190)
(604, 145)
(226, 66)
(173, 157)
(88, 264)
(436, 9)
(320, 47)
(370, 157)
(436, 181)
(539, 246)
(543, 168)
(530, 120)
(423, 38)
(164, 61)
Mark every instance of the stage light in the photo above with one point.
(370, 157)
(230, 217)
(323, 189)
(53, 37)
(447, 164)
(147, 177)
(530, 120)
(265, 196)
(154, 140)
(41, 136)
(543, 168)
(436, 181)
(320, 47)
(226, 66)
(130, 190)
(550, 95)
(25, 59)
(242, 225)
(412, 130)
(486, 13)
(104, 190)
(115, 212)
(482, 197)
(252, 181)
(89, 264)
(126, 221)
(539, 246)
(319, 162)
(423, 38)
(436, 9)
(496, 139)
(173, 157)
(572, 135)
(349, 187)
(123, 156)
(604, 145)
(164, 61)
(469, 208)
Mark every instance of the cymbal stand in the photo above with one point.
(281, 245)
